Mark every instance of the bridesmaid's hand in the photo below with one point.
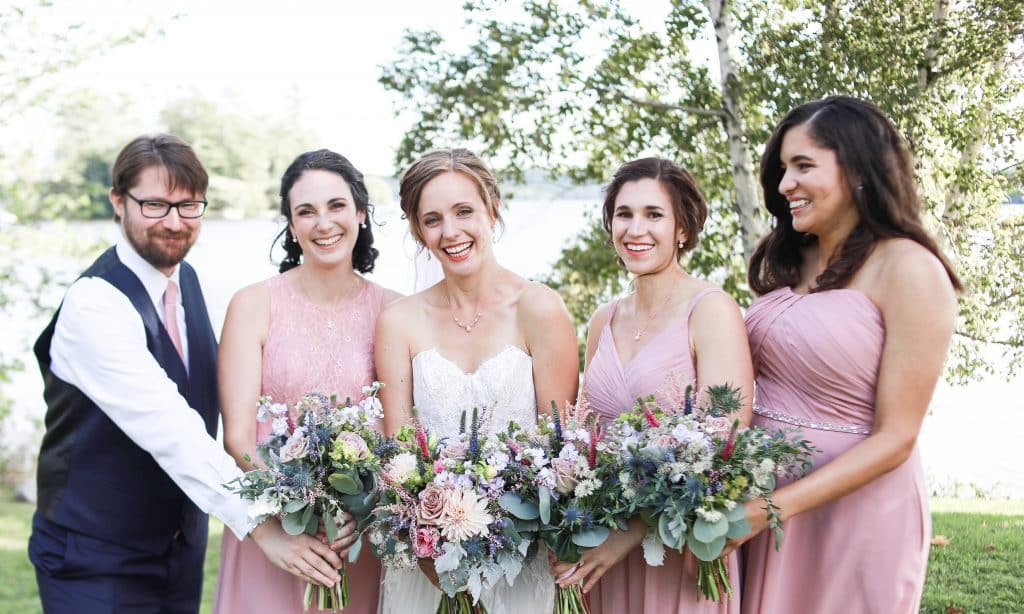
(596, 561)
(346, 536)
(758, 522)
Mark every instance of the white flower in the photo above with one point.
(268, 411)
(709, 516)
(586, 488)
(401, 467)
(464, 516)
(264, 506)
(536, 456)
(498, 460)
(569, 452)
(280, 425)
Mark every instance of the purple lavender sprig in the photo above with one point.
(474, 438)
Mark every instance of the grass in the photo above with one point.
(979, 571)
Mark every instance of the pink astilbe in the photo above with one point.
(675, 391)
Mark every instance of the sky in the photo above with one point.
(263, 57)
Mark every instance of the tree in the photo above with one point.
(577, 89)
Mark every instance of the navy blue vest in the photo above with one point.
(92, 478)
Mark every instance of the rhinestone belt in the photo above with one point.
(856, 429)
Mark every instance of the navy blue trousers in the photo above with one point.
(80, 574)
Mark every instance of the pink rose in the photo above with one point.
(432, 501)
(718, 427)
(295, 447)
(425, 542)
(664, 441)
(455, 450)
(565, 474)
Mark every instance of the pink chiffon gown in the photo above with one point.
(817, 357)
(308, 349)
(663, 367)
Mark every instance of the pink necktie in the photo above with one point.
(171, 316)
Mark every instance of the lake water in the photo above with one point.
(970, 440)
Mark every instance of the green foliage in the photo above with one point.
(245, 155)
(579, 88)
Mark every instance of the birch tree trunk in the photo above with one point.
(745, 184)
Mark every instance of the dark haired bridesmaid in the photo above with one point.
(308, 329)
(849, 337)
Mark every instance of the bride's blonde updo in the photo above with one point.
(437, 162)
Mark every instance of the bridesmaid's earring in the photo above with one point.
(682, 244)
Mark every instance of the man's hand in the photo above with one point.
(301, 555)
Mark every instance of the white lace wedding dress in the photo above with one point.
(504, 385)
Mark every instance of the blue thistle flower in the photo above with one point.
(571, 516)
(473, 547)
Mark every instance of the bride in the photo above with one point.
(482, 336)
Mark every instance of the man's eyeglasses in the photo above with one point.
(153, 209)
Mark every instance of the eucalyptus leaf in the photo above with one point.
(345, 484)
(709, 531)
(706, 551)
(354, 550)
(293, 524)
(670, 539)
(514, 504)
(739, 528)
(330, 527)
(736, 513)
(544, 504)
(590, 539)
(293, 506)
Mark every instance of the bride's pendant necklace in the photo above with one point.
(640, 331)
(464, 326)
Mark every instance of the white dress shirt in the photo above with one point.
(99, 346)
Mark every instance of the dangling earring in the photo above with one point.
(428, 254)
(365, 224)
(682, 244)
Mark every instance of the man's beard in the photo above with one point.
(160, 256)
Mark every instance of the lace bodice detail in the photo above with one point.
(317, 349)
(502, 386)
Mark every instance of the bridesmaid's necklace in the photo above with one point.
(650, 318)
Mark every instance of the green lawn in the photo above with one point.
(979, 570)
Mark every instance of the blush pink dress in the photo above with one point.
(817, 357)
(308, 349)
(663, 367)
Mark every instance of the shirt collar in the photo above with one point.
(152, 280)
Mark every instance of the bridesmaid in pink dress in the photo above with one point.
(308, 329)
(674, 331)
(848, 339)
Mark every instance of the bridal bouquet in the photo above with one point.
(687, 474)
(440, 506)
(578, 497)
(316, 467)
